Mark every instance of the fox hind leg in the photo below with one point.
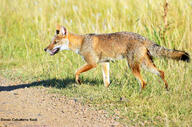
(136, 71)
(150, 66)
(135, 68)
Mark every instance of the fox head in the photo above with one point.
(59, 42)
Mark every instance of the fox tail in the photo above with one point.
(157, 50)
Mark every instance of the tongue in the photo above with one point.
(54, 50)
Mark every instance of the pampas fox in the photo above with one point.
(102, 48)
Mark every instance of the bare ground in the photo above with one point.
(22, 106)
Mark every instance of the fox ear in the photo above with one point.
(63, 30)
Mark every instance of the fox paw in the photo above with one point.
(167, 88)
(107, 84)
(78, 81)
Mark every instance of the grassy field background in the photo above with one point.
(26, 28)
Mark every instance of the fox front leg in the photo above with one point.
(82, 69)
(105, 71)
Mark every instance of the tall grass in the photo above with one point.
(26, 28)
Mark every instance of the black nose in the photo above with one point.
(45, 49)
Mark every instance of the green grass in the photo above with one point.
(26, 28)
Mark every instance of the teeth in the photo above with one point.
(49, 51)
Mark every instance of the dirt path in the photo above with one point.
(33, 107)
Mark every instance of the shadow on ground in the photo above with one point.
(56, 83)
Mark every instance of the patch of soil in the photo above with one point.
(35, 107)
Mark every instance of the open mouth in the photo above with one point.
(54, 51)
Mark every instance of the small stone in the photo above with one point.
(15, 94)
(75, 100)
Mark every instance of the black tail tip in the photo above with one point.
(185, 57)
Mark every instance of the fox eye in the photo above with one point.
(55, 42)
(57, 31)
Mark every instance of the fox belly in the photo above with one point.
(108, 59)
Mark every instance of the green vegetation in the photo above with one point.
(26, 28)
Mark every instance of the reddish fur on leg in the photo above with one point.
(81, 70)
